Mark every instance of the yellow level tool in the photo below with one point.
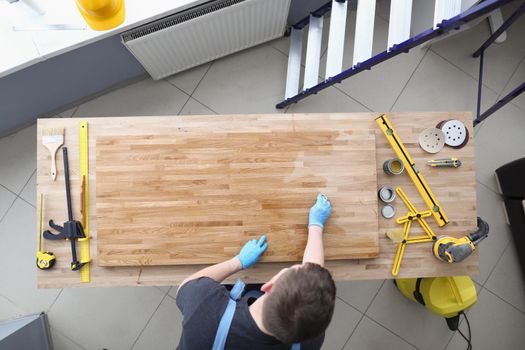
(412, 215)
(413, 172)
(84, 207)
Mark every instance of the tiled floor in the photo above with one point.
(369, 315)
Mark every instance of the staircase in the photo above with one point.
(447, 17)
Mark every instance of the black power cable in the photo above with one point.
(469, 338)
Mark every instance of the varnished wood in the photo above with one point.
(192, 198)
(454, 188)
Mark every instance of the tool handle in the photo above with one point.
(68, 187)
(52, 236)
(53, 166)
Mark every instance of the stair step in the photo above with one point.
(313, 52)
(293, 72)
(399, 24)
(364, 30)
(336, 39)
(446, 9)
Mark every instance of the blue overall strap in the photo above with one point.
(296, 346)
(227, 317)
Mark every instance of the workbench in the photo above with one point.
(455, 189)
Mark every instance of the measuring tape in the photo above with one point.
(416, 177)
(84, 181)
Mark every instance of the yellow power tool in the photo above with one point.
(451, 249)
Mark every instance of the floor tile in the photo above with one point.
(344, 321)
(490, 209)
(188, 80)
(359, 294)
(329, 100)
(495, 325)
(379, 87)
(115, 315)
(383, 9)
(437, 85)
(251, 81)
(18, 236)
(370, 335)
(61, 342)
(517, 79)
(173, 292)
(68, 113)
(194, 107)
(498, 142)
(18, 158)
(506, 281)
(164, 329)
(408, 319)
(29, 191)
(146, 97)
(500, 59)
(164, 289)
(6, 200)
(9, 310)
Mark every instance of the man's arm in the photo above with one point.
(314, 251)
(218, 272)
(319, 213)
(248, 256)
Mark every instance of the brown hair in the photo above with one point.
(300, 304)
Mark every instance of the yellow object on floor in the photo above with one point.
(444, 296)
(102, 14)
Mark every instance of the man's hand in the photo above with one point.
(320, 212)
(252, 251)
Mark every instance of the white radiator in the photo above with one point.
(204, 33)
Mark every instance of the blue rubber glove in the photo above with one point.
(320, 212)
(252, 251)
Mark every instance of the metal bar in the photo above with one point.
(364, 30)
(293, 73)
(336, 39)
(68, 187)
(444, 27)
(317, 13)
(480, 84)
(500, 30)
(313, 52)
(513, 94)
(399, 23)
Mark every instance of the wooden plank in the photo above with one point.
(454, 188)
(191, 198)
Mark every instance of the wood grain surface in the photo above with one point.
(454, 188)
(191, 198)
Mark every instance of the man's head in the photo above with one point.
(299, 303)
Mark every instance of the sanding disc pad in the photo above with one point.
(456, 134)
(432, 140)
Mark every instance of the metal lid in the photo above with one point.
(388, 211)
(387, 194)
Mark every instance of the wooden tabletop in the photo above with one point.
(454, 188)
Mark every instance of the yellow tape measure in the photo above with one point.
(416, 177)
(84, 183)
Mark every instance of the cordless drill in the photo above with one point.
(451, 249)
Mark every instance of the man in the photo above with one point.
(296, 307)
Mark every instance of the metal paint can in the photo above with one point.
(386, 194)
(393, 166)
(388, 211)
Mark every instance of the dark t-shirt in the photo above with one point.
(202, 302)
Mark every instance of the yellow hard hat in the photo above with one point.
(102, 14)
